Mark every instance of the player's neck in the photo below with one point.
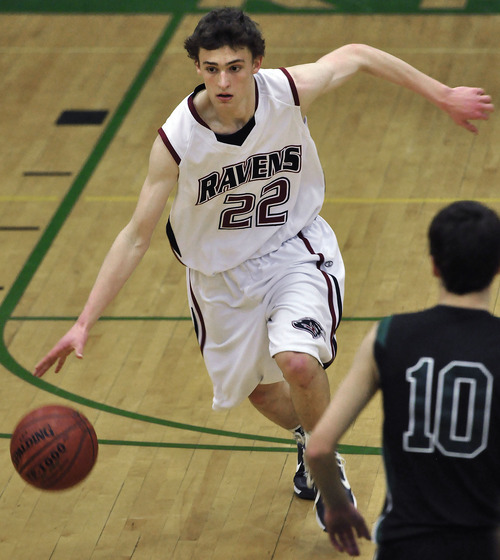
(473, 300)
(225, 119)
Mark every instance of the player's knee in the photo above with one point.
(298, 369)
(258, 397)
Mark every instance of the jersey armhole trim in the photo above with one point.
(383, 330)
(169, 146)
(293, 87)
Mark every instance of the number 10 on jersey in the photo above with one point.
(457, 422)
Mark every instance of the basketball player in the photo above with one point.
(265, 277)
(439, 373)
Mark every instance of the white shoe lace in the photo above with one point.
(300, 438)
(341, 466)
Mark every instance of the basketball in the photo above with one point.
(53, 447)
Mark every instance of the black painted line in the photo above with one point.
(19, 228)
(47, 173)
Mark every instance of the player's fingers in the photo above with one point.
(336, 543)
(482, 113)
(487, 104)
(469, 126)
(349, 543)
(60, 363)
(363, 531)
(39, 370)
(43, 366)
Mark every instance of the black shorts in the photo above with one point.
(470, 545)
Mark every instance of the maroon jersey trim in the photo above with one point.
(333, 293)
(293, 87)
(199, 323)
(169, 146)
(192, 108)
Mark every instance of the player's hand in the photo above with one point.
(465, 103)
(341, 525)
(73, 340)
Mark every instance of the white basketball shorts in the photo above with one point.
(288, 300)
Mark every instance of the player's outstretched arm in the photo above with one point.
(124, 256)
(462, 104)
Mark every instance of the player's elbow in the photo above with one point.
(359, 54)
(137, 238)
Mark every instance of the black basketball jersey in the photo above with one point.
(440, 377)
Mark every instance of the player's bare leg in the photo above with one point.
(273, 400)
(310, 395)
(309, 386)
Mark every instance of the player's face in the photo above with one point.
(228, 74)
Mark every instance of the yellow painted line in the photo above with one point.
(443, 4)
(111, 198)
(340, 200)
(209, 4)
(34, 198)
(132, 198)
(73, 50)
(14, 198)
(328, 200)
(395, 50)
(406, 200)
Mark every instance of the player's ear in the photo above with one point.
(435, 269)
(257, 63)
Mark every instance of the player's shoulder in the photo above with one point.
(401, 322)
(437, 317)
(277, 83)
(177, 131)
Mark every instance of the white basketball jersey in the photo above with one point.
(234, 203)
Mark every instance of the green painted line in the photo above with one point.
(344, 449)
(144, 318)
(100, 6)
(252, 6)
(105, 318)
(362, 319)
(197, 446)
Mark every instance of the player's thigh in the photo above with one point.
(233, 338)
(304, 315)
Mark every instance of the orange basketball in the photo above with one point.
(54, 447)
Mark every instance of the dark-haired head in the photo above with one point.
(225, 27)
(464, 240)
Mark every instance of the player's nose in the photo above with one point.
(223, 80)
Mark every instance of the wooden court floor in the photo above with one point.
(174, 479)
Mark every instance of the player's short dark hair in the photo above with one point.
(225, 27)
(464, 240)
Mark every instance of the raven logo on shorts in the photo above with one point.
(310, 325)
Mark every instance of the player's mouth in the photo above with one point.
(224, 97)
